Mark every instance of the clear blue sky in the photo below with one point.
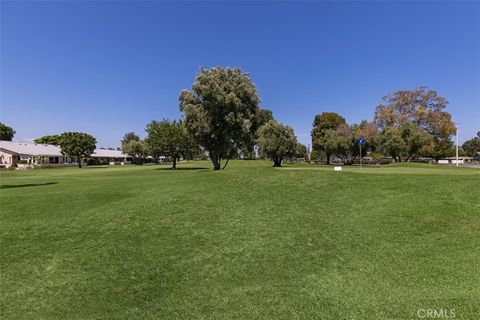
(108, 67)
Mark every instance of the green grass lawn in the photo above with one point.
(249, 242)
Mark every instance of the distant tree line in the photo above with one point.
(409, 124)
(222, 119)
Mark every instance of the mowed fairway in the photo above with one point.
(249, 242)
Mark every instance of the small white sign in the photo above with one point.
(337, 168)
(442, 161)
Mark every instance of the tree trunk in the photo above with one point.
(328, 158)
(79, 161)
(277, 162)
(216, 162)
(174, 165)
(224, 166)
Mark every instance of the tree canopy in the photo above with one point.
(472, 146)
(129, 136)
(219, 111)
(391, 142)
(301, 151)
(168, 138)
(6, 132)
(423, 108)
(50, 139)
(259, 119)
(276, 141)
(77, 144)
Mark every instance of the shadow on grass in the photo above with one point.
(10, 186)
(185, 169)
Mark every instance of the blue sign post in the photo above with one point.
(360, 142)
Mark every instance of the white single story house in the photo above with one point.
(453, 160)
(35, 153)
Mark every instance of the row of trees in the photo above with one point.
(221, 117)
(164, 138)
(408, 124)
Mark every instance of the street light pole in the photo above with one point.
(456, 148)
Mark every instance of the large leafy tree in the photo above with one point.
(219, 111)
(472, 146)
(6, 132)
(320, 135)
(424, 108)
(129, 136)
(77, 144)
(276, 141)
(49, 139)
(168, 138)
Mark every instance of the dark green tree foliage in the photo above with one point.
(472, 146)
(301, 151)
(320, 138)
(77, 144)
(6, 132)
(219, 111)
(392, 143)
(345, 142)
(415, 139)
(51, 139)
(169, 138)
(260, 118)
(129, 136)
(276, 141)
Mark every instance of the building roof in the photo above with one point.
(106, 153)
(29, 148)
(37, 149)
